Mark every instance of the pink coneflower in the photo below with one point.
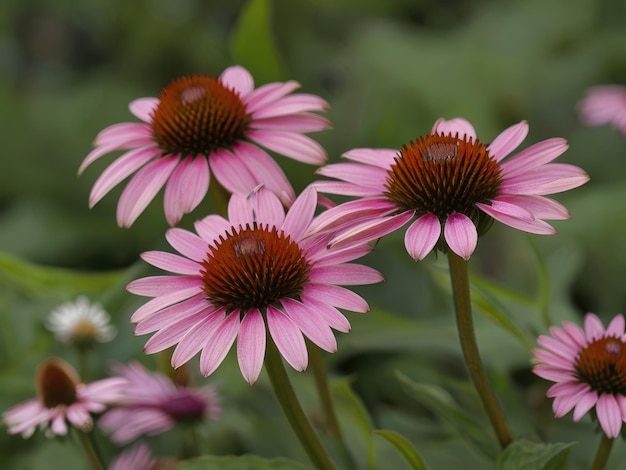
(604, 104)
(451, 185)
(152, 403)
(137, 457)
(62, 399)
(237, 276)
(201, 122)
(589, 368)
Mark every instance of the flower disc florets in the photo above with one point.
(602, 365)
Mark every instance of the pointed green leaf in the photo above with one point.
(252, 44)
(528, 455)
(412, 456)
(244, 462)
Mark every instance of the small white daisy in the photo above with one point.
(81, 323)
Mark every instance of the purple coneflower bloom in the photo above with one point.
(152, 403)
(604, 104)
(589, 368)
(238, 276)
(62, 399)
(450, 185)
(201, 124)
(138, 457)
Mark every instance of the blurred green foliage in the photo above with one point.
(389, 70)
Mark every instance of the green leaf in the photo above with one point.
(444, 405)
(252, 44)
(244, 462)
(528, 455)
(42, 279)
(414, 459)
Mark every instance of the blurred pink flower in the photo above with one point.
(451, 186)
(152, 404)
(61, 399)
(589, 368)
(201, 122)
(237, 276)
(604, 104)
(137, 457)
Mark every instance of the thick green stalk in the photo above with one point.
(333, 429)
(290, 405)
(94, 460)
(465, 325)
(602, 454)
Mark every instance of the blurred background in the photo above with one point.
(388, 69)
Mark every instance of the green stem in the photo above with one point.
(96, 464)
(293, 410)
(463, 307)
(321, 383)
(602, 454)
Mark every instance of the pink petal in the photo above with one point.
(345, 274)
(251, 345)
(195, 338)
(311, 324)
(176, 313)
(351, 211)
(240, 212)
(559, 348)
(456, 126)
(171, 262)
(344, 189)
(265, 171)
(540, 207)
(293, 145)
(584, 401)
(124, 134)
(142, 188)
(508, 140)
(293, 104)
(553, 374)
(616, 326)
(371, 230)
(381, 158)
(187, 243)
(211, 227)
(534, 156)
(547, 179)
(144, 108)
(301, 122)
(300, 215)
(154, 286)
(336, 296)
(593, 327)
(267, 94)
(231, 172)
(171, 335)
(288, 338)
(238, 79)
(609, 415)
(536, 226)
(218, 344)
(422, 235)
(161, 302)
(328, 314)
(357, 173)
(186, 188)
(119, 170)
(326, 256)
(95, 154)
(460, 234)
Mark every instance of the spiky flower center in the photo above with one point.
(602, 365)
(56, 383)
(185, 406)
(443, 174)
(253, 268)
(198, 115)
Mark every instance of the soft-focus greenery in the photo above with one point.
(389, 69)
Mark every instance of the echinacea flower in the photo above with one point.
(152, 403)
(81, 323)
(238, 276)
(604, 104)
(61, 399)
(201, 124)
(588, 366)
(137, 457)
(450, 185)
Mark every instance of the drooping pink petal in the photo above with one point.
(344, 189)
(541, 207)
(508, 140)
(231, 172)
(144, 108)
(218, 344)
(161, 302)
(95, 154)
(125, 133)
(535, 226)
(350, 211)
(251, 345)
(194, 339)
(547, 179)
(609, 415)
(584, 400)
(266, 171)
(238, 79)
(186, 188)
(345, 274)
(142, 188)
(371, 230)
(300, 122)
(381, 158)
(300, 214)
(510, 209)
(167, 316)
(329, 314)
(534, 156)
(119, 170)
(336, 296)
(356, 173)
(422, 235)
(288, 338)
(456, 126)
(171, 335)
(311, 324)
(461, 235)
(291, 144)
